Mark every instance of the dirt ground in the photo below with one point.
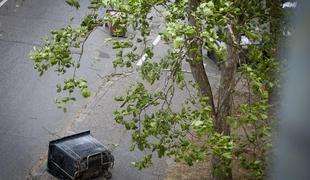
(181, 171)
(201, 170)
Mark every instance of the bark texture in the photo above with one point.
(196, 65)
(227, 84)
(225, 101)
(201, 78)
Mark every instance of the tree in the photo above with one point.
(191, 28)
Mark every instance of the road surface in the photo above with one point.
(28, 116)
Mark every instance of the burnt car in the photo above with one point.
(79, 156)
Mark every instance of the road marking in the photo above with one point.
(142, 59)
(144, 56)
(2, 2)
(156, 41)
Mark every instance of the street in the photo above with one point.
(29, 118)
(27, 112)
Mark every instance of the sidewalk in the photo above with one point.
(97, 117)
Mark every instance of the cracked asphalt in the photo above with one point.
(29, 118)
(28, 115)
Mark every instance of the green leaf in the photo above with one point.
(264, 116)
(73, 3)
(227, 155)
(58, 86)
(86, 93)
(178, 42)
(197, 123)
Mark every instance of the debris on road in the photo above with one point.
(79, 156)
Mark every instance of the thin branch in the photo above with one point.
(158, 11)
(82, 51)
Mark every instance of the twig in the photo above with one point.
(82, 51)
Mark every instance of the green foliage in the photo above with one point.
(185, 132)
(222, 148)
(91, 21)
(57, 50)
(73, 3)
(162, 126)
(56, 54)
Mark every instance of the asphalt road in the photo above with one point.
(28, 116)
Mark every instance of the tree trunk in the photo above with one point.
(225, 101)
(227, 85)
(201, 78)
(196, 65)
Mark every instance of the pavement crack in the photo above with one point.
(108, 81)
(106, 84)
(19, 42)
(40, 18)
(50, 132)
